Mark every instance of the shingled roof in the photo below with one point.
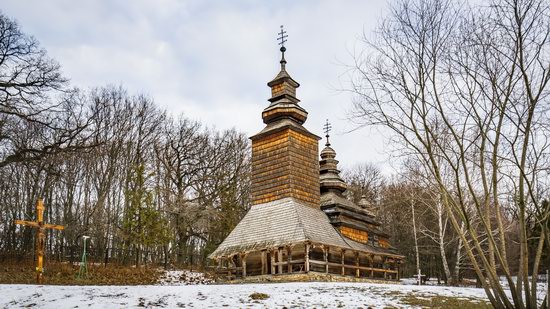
(285, 222)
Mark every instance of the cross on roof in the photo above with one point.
(327, 128)
(282, 37)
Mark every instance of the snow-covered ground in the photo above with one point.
(289, 295)
(185, 289)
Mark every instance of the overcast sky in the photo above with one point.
(211, 60)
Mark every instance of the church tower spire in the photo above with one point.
(284, 103)
(284, 153)
(330, 179)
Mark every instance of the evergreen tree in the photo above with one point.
(144, 225)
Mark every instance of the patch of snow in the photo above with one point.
(414, 281)
(542, 285)
(184, 277)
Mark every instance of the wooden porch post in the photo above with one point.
(280, 260)
(325, 250)
(243, 264)
(264, 262)
(306, 259)
(397, 268)
(289, 258)
(342, 255)
(273, 262)
(371, 262)
(229, 264)
(357, 271)
(386, 268)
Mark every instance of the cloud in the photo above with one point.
(211, 60)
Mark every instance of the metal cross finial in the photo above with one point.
(327, 128)
(282, 38)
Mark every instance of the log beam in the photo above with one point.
(291, 262)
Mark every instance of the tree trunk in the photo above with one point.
(458, 256)
(441, 233)
(415, 239)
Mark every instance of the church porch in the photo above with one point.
(309, 258)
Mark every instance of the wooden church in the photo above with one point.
(300, 226)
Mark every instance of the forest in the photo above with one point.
(146, 186)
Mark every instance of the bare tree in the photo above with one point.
(33, 100)
(465, 92)
(364, 179)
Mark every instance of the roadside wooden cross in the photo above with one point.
(40, 236)
(419, 277)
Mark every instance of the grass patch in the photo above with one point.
(258, 296)
(444, 302)
(392, 293)
(66, 274)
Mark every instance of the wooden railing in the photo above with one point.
(276, 264)
(237, 271)
(381, 270)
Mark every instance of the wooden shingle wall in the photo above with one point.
(384, 243)
(285, 164)
(283, 88)
(354, 234)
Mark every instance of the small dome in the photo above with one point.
(328, 152)
(363, 202)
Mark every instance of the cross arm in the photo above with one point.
(27, 223)
(35, 224)
(54, 226)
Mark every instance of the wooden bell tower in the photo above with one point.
(284, 153)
